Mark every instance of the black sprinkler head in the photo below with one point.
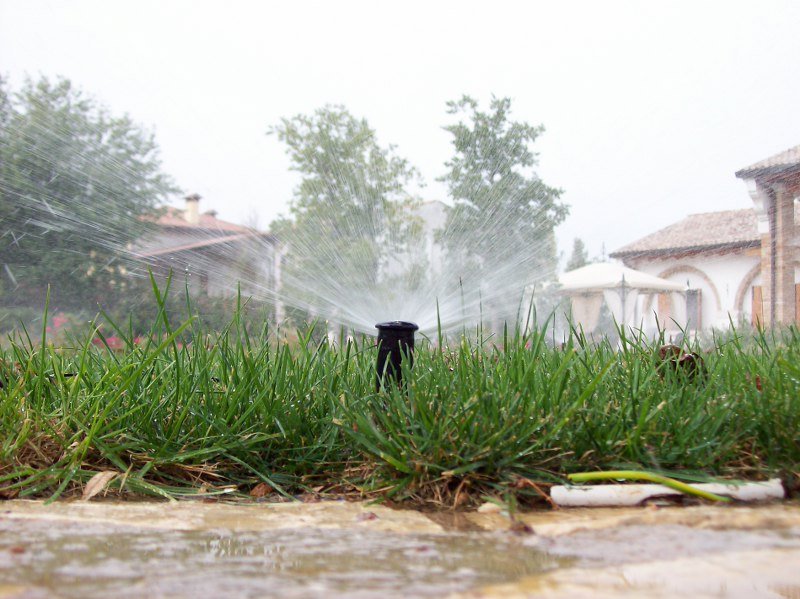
(395, 338)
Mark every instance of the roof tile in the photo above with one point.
(173, 217)
(707, 230)
(787, 159)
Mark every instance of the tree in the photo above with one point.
(349, 215)
(579, 257)
(5, 104)
(75, 183)
(501, 225)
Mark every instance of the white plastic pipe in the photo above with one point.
(634, 494)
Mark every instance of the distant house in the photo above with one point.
(434, 217)
(431, 216)
(214, 256)
(739, 265)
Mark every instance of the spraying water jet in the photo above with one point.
(395, 339)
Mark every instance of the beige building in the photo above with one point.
(738, 265)
(216, 257)
(774, 187)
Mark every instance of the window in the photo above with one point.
(694, 309)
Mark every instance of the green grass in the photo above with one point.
(230, 410)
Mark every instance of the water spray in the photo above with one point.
(395, 339)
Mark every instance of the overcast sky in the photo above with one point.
(649, 107)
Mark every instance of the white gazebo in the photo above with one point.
(620, 286)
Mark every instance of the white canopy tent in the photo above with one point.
(589, 285)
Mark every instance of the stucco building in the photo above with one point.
(214, 256)
(738, 265)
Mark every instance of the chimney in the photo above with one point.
(192, 212)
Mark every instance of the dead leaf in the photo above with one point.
(489, 507)
(260, 490)
(98, 483)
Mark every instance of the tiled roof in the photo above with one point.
(201, 244)
(785, 161)
(708, 230)
(173, 217)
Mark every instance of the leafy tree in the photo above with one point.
(5, 104)
(349, 217)
(74, 184)
(503, 213)
(579, 257)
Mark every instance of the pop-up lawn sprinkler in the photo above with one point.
(395, 339)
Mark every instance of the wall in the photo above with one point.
(725, 281)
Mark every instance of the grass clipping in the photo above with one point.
(583, 477)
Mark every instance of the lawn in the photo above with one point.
(185, 412)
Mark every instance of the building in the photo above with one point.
(774, 187)
(216, 257)
(738, 265)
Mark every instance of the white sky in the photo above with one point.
(649, 107)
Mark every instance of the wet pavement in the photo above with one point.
(338, 549)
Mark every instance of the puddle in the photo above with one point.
(735, 574)
(94, 560)
(738, 551)
(343, 549)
